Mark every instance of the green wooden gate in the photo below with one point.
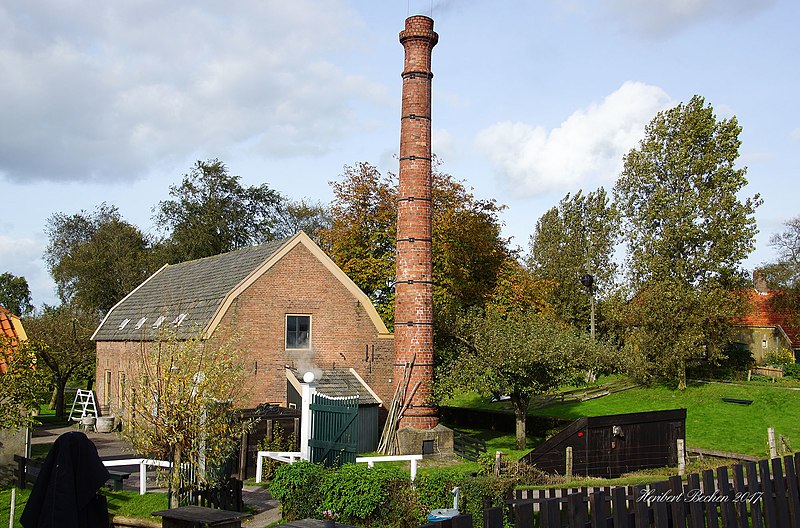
(334, 430)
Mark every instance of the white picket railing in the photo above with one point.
(393, 458)
(289, 457)
(142, 463)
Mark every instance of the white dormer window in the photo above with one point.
(158, 321)
(123, 324)
(178, 320)
(139, 323)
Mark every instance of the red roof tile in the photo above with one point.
(764, 313)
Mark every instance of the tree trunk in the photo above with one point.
(175, 478)
(682, 375)
(60, 388)
(520, 403)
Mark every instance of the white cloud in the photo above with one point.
(795, 134)
(585, 150)
(104, 92)
(442, 143)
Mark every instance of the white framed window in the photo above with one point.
(298, 332)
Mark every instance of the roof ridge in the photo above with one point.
(231, 252)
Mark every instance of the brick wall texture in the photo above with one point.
(342, 334)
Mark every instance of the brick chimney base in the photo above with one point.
(410, 441)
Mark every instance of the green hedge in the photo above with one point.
(381, 497)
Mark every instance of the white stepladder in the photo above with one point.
(84, 404)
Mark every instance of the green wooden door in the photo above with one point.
(334, 430)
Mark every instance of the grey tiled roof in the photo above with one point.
(196, 288)
(340, 383)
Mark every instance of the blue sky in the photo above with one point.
(113, 102)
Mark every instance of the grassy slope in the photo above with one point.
(710, 423)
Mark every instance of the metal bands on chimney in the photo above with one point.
(414, 158)
(413, 198)
(416, 116)
(414, 239)
(415, 74)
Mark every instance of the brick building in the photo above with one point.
(286, 301)
(766, 328)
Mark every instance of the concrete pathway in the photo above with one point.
(112, 446)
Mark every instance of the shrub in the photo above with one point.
(297, 486)
(784, 356)
(792, 370)
(360, 494)
(280, 441)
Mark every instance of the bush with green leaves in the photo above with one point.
(792, 370)
(360, 494)
(783, 356)
(383, 497)
(297, 486)
(280, 441)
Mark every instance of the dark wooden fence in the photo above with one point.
(752, 494)
(468, 447)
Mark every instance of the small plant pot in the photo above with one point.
(105, 424)
(329, 523)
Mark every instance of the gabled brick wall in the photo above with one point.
(342, 333)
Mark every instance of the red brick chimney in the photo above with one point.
(413, 313)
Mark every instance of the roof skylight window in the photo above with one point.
(123, 324)
(178, 320)
(139, 323)
(158, 321)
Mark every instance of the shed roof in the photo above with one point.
(338, 383)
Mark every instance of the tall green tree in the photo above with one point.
(211, 212)
(22, 384)
(783, 273)
(574, 239)
(66, 350)
(96, 258)
(468, 251)
(15, 296)
(522, 355)
(305, 215)
(686, 229)
(363, 231)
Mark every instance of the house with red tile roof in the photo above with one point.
(11, 329)
(12, 442)
(767, 327)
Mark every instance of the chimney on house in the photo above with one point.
(760, 281)
(413, 313)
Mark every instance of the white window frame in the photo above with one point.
(286, 331)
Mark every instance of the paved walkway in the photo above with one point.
(112, 446)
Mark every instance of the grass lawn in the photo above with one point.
(710, 422)
(125, 503)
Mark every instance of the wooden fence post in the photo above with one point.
(681, 456)
(569, 462)
(773, 450)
